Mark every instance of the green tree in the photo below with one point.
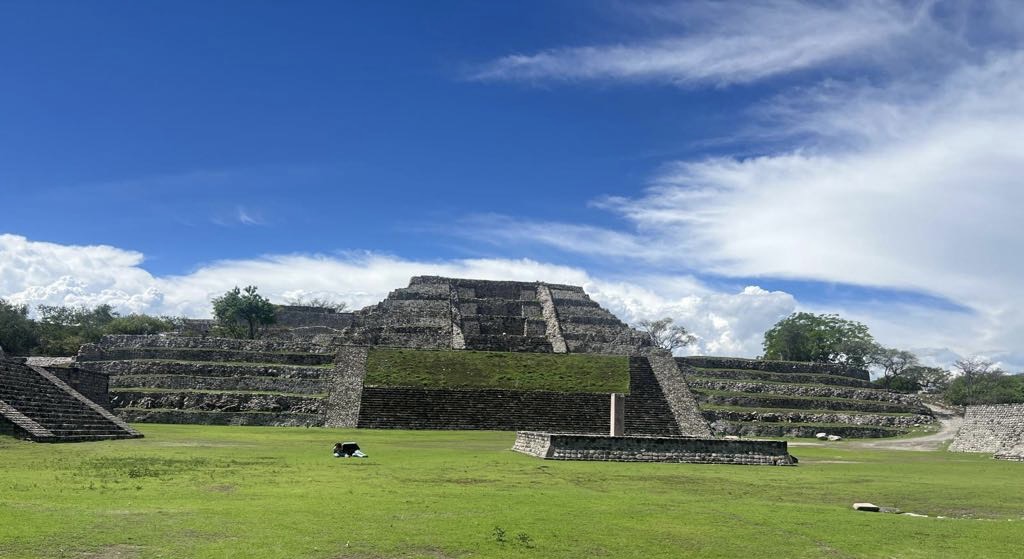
(18, 334)
(894, 364)
(985, 385)
(140, 324)
(928, 379)
(824, 338)
(62, 330)
(242, 313)
(666, 335)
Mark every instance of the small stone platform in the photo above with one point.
(693, 450)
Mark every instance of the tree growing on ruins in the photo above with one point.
(62, 330)
(243, 313)
(666, 335)
(320, 303)
(821, 338)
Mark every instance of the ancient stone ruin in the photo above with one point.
(41, 405)
(993, 428)
(790, 399)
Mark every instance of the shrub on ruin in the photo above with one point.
(242, 313)
(666, 335)
(62, 330)
(141, 324)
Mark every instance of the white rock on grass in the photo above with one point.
(834, 438)
(821, 436)
(866, 507)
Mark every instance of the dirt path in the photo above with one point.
(949, 424)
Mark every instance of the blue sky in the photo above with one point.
(722, 163)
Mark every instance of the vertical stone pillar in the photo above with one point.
(618, 415)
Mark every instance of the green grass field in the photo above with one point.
(197, 491)
(494, 369)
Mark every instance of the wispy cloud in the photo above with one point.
(723, 43)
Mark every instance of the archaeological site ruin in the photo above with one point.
(996, 429)
(449, 353)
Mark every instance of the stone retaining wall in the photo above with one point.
(93, 385)
(500, 410)
(218, 401)
(995, 428)
(864, 419)
(898, 398)
(652, 449)
(793, 402)
(705, 362)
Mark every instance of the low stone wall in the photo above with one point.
(705, 362)
(898, 398)
(346, 388)
(750, 375)
(226, 383)
(197, 354)
(195, 417)
(652, 449)
(91, 384)
(182, 342)
(191, 369)
(866, 419)
(723, 428)
(995, 428)
(217, 401)
(793, 402)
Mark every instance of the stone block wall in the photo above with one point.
(995, 428)
(94, 385)
(558, 446)
(705, 362)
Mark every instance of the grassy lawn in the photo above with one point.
(492, 369)
(197, 491)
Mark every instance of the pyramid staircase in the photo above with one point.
(35, 404)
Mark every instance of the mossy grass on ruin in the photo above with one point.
(505, 370)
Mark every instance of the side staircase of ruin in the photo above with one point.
(36, 405)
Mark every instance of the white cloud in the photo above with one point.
(46, 273)
(728, 42)
(902, 186)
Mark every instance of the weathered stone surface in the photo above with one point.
(908, 400)
(797, 430)
(561, 446)
(705, 362)
(218, 401)
(346, 392)
(812, 416)
(995, 428)
(800, 403)
(866, 507)
(36, 404)
(681, 401)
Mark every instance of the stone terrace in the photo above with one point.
(166, 379)
(782, 398)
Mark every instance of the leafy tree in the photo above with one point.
(666, 335)
(928, 379)
(242, 313)
(894, 363)
(17, 331)
(824, 338)
(62, 330)
(989, 386)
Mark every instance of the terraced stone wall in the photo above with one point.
(778, 398)
(91, 384)
(171, 379)
(995, 428)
